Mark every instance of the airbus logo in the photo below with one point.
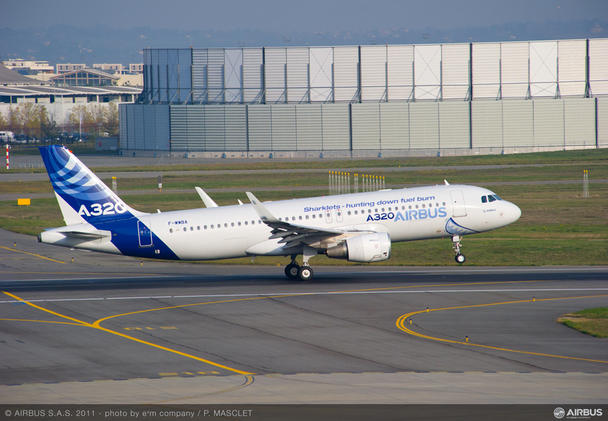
(410, 215)
(577, 413)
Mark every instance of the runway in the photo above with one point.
(107, 329)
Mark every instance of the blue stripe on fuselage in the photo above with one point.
(125, 238)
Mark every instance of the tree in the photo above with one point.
(78, 112)
(48, 126)
(13, 120)
(111, 119)
(29, 119)
(3, 123)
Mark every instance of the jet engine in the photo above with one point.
(363, 248)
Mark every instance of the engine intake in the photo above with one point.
(363, 248)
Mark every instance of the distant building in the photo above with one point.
(136, 67)
(28, 67)
(109, 68)
(371, 100)
(69, 67)
(16, 88)
(84, 77)
(128, 79)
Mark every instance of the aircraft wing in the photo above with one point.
(294, 235)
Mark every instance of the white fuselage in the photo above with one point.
(405, 214)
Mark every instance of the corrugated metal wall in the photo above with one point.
(517, 70)
(144, 127)
(335, 124)
(260, 128)
(394, 125)
(366, 126)
(400, 72)
(309, 127)
(424, 125)
(235, 118)
(486, 123)
(579, 122)
(602, 122)
(380, 97)
(548, 122)
(454, 130)
(283, 129)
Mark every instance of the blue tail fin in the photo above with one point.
(82, 196)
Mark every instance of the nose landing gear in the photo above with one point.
(460, 259)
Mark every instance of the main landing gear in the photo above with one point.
(303, 273)
(460, 259)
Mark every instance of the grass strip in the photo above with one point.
(591, 321)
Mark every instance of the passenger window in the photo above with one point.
(484, 199)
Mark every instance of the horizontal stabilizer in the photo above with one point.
(86, 235)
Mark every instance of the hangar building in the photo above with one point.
(371, 100)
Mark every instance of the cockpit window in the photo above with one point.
(490, 198)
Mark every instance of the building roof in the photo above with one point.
(10, 77)
(92, 71)
(37, 90)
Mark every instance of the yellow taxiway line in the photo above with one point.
(103, 329)
(402, 320)
(32, 254)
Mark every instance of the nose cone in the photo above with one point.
(512, 212)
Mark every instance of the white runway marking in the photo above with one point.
(297, 294)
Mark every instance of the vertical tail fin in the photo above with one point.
(82, 196)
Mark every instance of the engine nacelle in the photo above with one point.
(363, 248)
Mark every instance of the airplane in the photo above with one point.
(358, 227)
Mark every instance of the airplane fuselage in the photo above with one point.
(237, 231)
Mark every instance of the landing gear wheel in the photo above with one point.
(460, 258)
(305, 273)
(292, 270)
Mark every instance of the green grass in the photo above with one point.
(557, 227)
(396, 179)
(597, 156)
(592, 321)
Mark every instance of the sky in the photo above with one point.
(293, 16)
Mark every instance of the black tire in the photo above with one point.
(460, 259)
(292, 271)
(305, 273)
